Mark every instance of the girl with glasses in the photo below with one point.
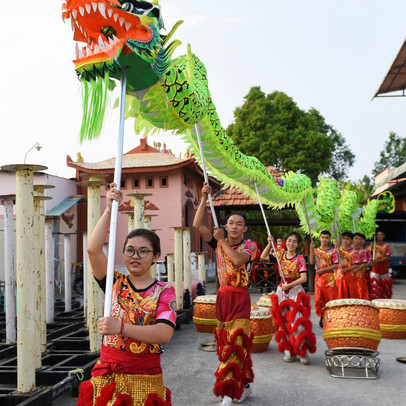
(143, 317)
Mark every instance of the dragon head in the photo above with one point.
(111, 35)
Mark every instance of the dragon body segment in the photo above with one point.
(173, 94)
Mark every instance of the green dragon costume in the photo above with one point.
(172, 94)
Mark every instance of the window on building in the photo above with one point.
(163, 181)
(123, 184)
(150, 183)
(136, 183)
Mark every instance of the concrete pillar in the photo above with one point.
(9, 268)
(85, 270)
(201, 261)
(67, 257)
(169, 265)
(94, 293)
(139, 208)
(49, 269)
(39, 200)
(148, 222)
(25, 274)
(130, 221)
(186, 260)
(177, 252)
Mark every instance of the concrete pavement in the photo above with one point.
(188, 372)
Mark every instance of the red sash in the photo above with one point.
(117, 361)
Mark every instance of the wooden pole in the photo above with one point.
(177, 252)
(85, 271)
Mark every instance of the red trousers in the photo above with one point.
(359, 285)
(324, 290)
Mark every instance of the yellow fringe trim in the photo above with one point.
(393, 327)
(206, 322)
(262, 339)
(352, 332)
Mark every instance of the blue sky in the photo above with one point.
(330, 55)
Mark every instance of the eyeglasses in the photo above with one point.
(141, 253)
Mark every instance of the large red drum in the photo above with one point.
(351, 323)
(392, 317)
(262, 328)
(204, 314)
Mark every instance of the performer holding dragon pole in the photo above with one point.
(143, 316)
(325, 260)
(291, 305)
(381, 281)
(233, 303)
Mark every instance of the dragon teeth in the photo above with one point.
(81, 54)
(115, 16)
(94, 5)
(121, 21)
(81, 11)
(109, 12)
(101, 42)
(102, 10)
(127, 26)
(96, 49)
(88, 8)
(74, 14)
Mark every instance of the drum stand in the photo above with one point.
(352, 363)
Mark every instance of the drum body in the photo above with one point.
(351, 323)
(392, 317)
(204, 314)
(261, 327)
(265, 300)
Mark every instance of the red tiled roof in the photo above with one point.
(228, 196)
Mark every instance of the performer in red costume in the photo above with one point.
(325, 260)
(291, 305)
(233, 304)
(381, 281)
(143, 310)
(349, 262)
(359, 286)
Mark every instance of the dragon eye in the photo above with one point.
(108, 31)
(127, 7)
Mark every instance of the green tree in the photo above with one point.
(274, 129)
(393, 154)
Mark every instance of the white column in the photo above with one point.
(201, 258)
(148, 222)
(178, 267)
(139, 211)
(10, 273)
(169, 264)
(85, 273)
(25, 280)
(49, 270)
(186, 260)
(36, 288)
(130, 222)
(67, 254)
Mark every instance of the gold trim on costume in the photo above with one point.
(262, 339)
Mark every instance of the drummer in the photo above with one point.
(359, 287)
(233, 304)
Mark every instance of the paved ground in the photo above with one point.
(189, 374)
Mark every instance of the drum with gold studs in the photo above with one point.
(351, 323)
(392, 317)
(204, 314)
(261, 327)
